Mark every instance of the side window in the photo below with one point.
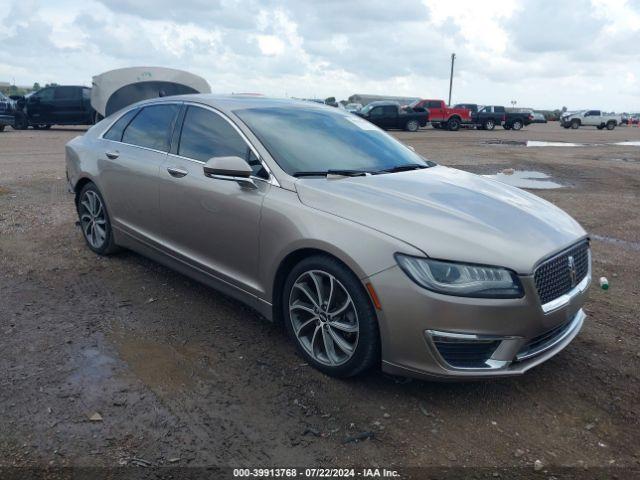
(44, 95)
(595, 113)
(206, 134)
(117, 129)
(152, 127)
(435, 104)
(390, 110)
(66, 93)
(376, 112)
(499, 109)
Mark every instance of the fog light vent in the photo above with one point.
(464, 353)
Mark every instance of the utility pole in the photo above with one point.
(453, 59)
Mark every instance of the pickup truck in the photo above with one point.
(6, 112)
(488, 117)
(442, 116)
(391, 115)
(57, 105)
(593, 118)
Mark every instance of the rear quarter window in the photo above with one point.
(117, 129)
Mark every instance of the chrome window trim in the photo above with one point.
(566, 298)
(272, 179)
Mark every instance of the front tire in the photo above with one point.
(575, 124)
(453, 124)
(330, 317)
(95, 222)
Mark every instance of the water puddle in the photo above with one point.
(617, 241)
(536, 143)
(525, 179)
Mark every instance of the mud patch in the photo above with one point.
(4, 190)
(525, 179)
(617, 241)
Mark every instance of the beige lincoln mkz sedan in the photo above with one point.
(367, 252)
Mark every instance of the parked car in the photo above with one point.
(442, 116)
(538, 118)
(592, 118)
(369, 253)
(7, 111)
(390, 115)
(353, 107)
(58, 105)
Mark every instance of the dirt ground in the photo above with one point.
(120, 361)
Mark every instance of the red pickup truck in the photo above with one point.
(442, 116)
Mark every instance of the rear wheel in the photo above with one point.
(2, 128)
(330, 317)
(95, 222)
(412, 126)
(517, 125)
(611, 125)
(489, 125)
(21, 122)
(453, 124)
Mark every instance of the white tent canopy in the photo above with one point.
(115, 89)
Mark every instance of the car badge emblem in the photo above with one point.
(572, 271)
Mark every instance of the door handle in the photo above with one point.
(176, 172)
(112, 155)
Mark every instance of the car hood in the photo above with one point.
(449, 214)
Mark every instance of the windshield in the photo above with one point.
(367, 108)
(303, 139)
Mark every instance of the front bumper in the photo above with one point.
(426, 334)
(7, 120)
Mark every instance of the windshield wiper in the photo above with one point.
(346, 173)
(403, 168)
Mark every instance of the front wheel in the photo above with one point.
(95, 221)
(412, 126)
(575, 124)
(329, 315)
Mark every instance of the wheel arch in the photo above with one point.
(291, 259)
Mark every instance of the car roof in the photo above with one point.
(229, 103)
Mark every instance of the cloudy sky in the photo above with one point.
(541, 53)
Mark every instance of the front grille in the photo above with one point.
(466, 353)
(553, 277)
(539, 343)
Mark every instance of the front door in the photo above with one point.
(209, 223)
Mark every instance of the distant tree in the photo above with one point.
(36, 86)
(53, 84)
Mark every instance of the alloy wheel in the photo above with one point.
(93, 219)
(324, 317)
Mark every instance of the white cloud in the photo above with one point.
(542, 53)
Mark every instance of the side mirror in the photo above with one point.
(229, 168)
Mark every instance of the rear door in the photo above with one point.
(67, 105)
(209, 223)
(134, 150)
(391, 118)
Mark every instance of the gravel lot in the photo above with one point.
(119, 361)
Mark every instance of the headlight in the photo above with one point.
(460, 279)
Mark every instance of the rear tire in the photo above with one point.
(412, 126)
(611, 125)
(2, 128)
(453, 124)
(335, 330)
(95, 221)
